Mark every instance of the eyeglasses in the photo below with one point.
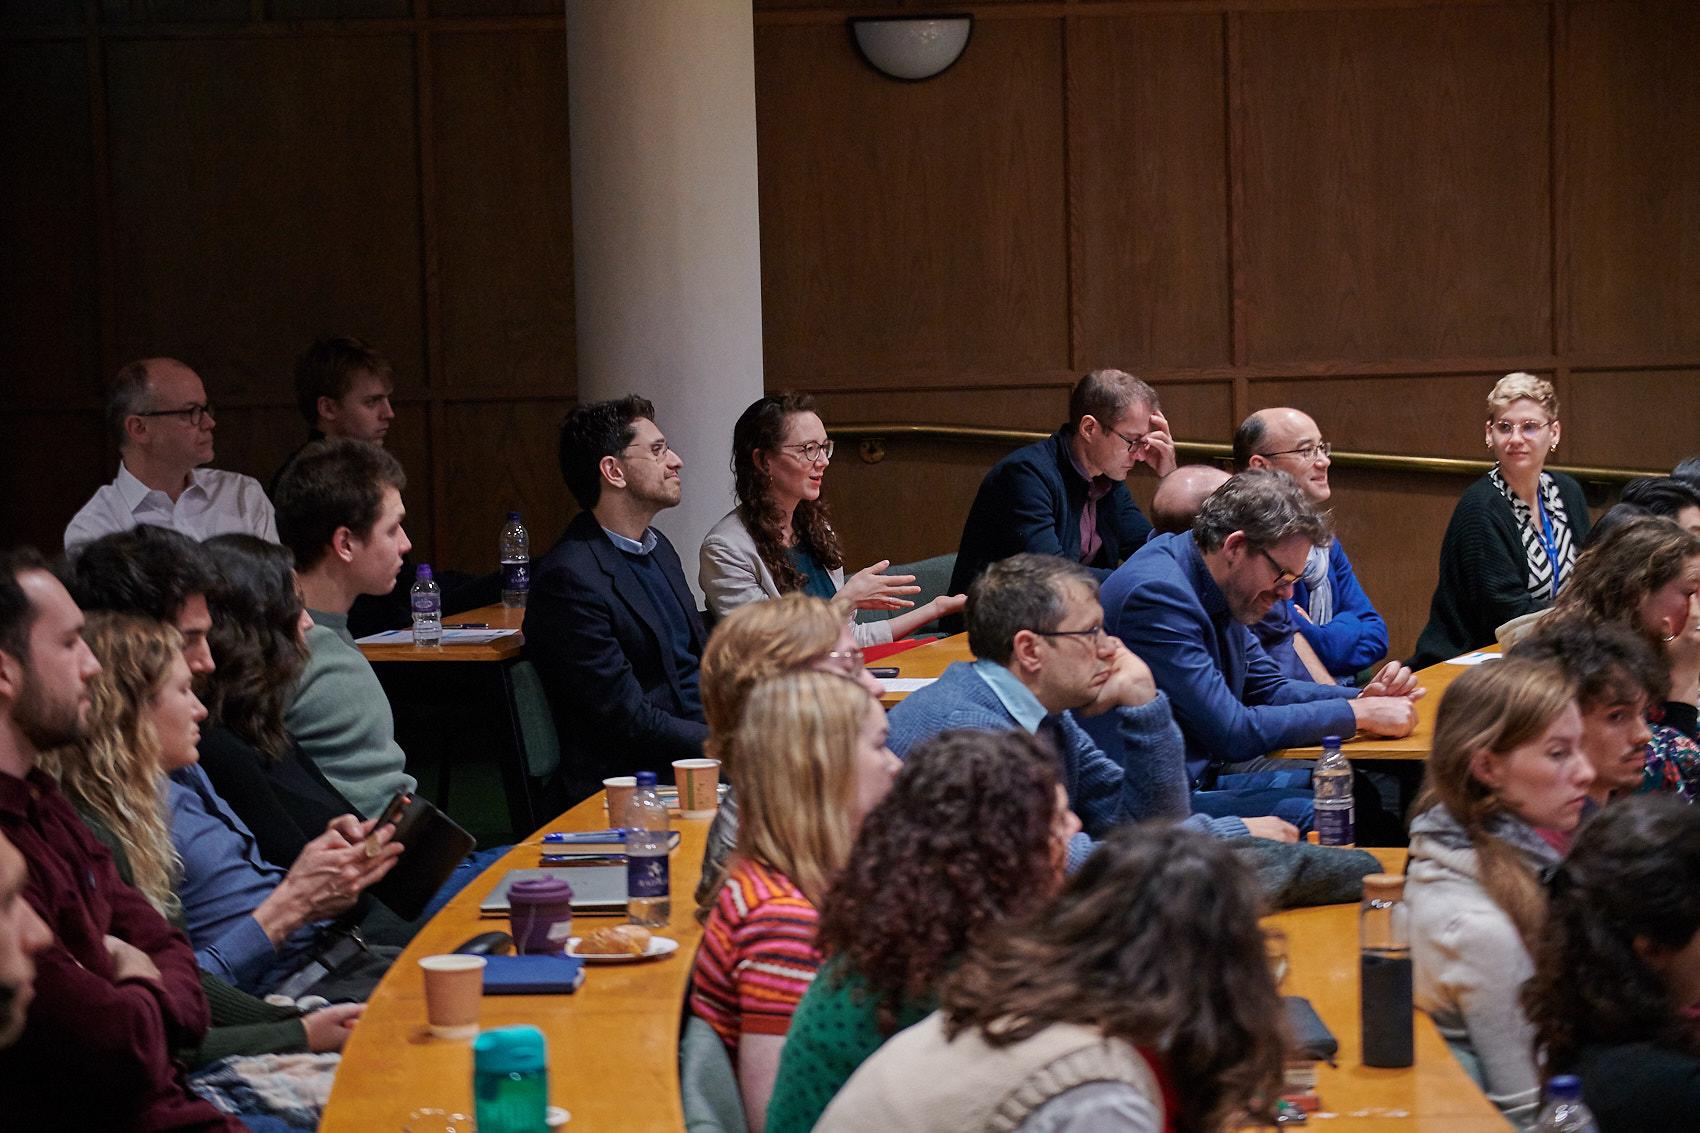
(851, 660)
(1283, 576)
(811, 451)
(195, 413)
(1092, 636)
(1134, 444)
(657, 450)
(1529, 430)
(1310, 454)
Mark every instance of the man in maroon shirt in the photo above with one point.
(117, 990)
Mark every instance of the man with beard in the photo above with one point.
(118, 989)
(611, 624)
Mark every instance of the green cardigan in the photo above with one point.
(1484, 572)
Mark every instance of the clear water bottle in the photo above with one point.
(648, 900)
(1384, 941)
(1336, 823)
(516, 562)
(427, 608)
(510, 1080)
(1564, 1111)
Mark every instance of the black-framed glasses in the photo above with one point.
(811, 451)
(1310, 453)
(1091, 636)
(1283, 576)
(657, 450)
(1134, 444)
(195, 413)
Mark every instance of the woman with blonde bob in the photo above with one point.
(811, 763)
(788, 634)
(1512, 543)
(1507, 762)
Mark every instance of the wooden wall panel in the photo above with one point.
(1395, 190)
(1417, 416)
(1646, 420)
(1148, 183)
(247, 225)
(505, 247)
(503, 456)
(911, 231)
(53, 463)
(1632, 217)
(49, 340)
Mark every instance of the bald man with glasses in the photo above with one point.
(159, 415)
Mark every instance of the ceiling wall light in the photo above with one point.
(911, 48)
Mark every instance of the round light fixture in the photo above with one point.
(911, 48)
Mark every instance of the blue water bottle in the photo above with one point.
(510, 1080)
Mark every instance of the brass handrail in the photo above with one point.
(1209, 450)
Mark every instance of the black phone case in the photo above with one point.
(1311, 1037)
(434, 846)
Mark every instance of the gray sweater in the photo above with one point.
(342, 719)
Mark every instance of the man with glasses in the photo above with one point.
(1044, 664)
(158, 413)
(1329, 629)
(1183, 603)
(1067, 495)
(611, 624)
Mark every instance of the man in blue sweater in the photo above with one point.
(1183, 602)
(1043, 657)
(1328, 612)
(1067, 495)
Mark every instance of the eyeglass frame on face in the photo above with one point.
(1134, 444)
(857, 657)
(659, 455)
(1092, 636)
(195, 413)
(822, 448)
(1283, 576)
(1528, 430)
(1309, 452)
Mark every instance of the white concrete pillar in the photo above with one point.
(666, 252)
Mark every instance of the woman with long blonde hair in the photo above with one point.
(1507, 762)
(812, 762)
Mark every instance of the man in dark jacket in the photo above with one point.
(1066, 495)
(611, 624)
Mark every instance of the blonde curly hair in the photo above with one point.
(1522, 386)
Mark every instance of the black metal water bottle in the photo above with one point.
(1384, 938)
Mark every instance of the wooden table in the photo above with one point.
(1434, 1094)
(613, 1044)
(1436, 678)
(502, 649)
(927, 660)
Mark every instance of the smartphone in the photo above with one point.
(389, 816)
(883, 672)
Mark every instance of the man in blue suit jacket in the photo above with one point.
(611, 624)
(1183, 603)
(1067, 495)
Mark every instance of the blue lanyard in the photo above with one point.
(1548, 541)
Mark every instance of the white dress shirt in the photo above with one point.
(214, 503)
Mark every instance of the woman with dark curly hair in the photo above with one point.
(1616, 992)
(1139, 1000)
(778, 540)
(974, 832)
(258, 623)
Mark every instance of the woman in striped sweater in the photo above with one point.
(812, 762)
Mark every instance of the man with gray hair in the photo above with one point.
(1042, 660)
(1066, 495)
(158, 413)
(1183, 603)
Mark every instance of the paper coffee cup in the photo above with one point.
(620, 791)
(454, 988)
(699, 787)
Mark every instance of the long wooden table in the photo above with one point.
(502, 649)
(613, 1044)
(1437, 679)
(927, 660)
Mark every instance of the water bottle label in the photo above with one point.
(646, 876)
(1335, 826)
(516, 576)
(425, 604)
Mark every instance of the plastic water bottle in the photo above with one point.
(427, 608)
(1384, 938)
(510, 1080)
(1336, 823)
(648, 900)
(516, 562)
(1564, 1111)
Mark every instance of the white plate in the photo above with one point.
(659, 946)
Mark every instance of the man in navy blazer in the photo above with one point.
(1183, 603)
(1067, 495)
(611, 624)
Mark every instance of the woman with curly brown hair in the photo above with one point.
(974, 832)
(1616, 993)
(1139, 1000)
(778, 540)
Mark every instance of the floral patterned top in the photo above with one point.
(1673, 764)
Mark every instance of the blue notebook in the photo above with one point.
(532, 975)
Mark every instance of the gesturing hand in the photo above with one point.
(872, 589)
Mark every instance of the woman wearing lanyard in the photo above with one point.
(1515, 533)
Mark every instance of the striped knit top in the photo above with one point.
(757, 957)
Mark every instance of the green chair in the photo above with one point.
(931, 575)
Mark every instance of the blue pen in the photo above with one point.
(611, 835)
